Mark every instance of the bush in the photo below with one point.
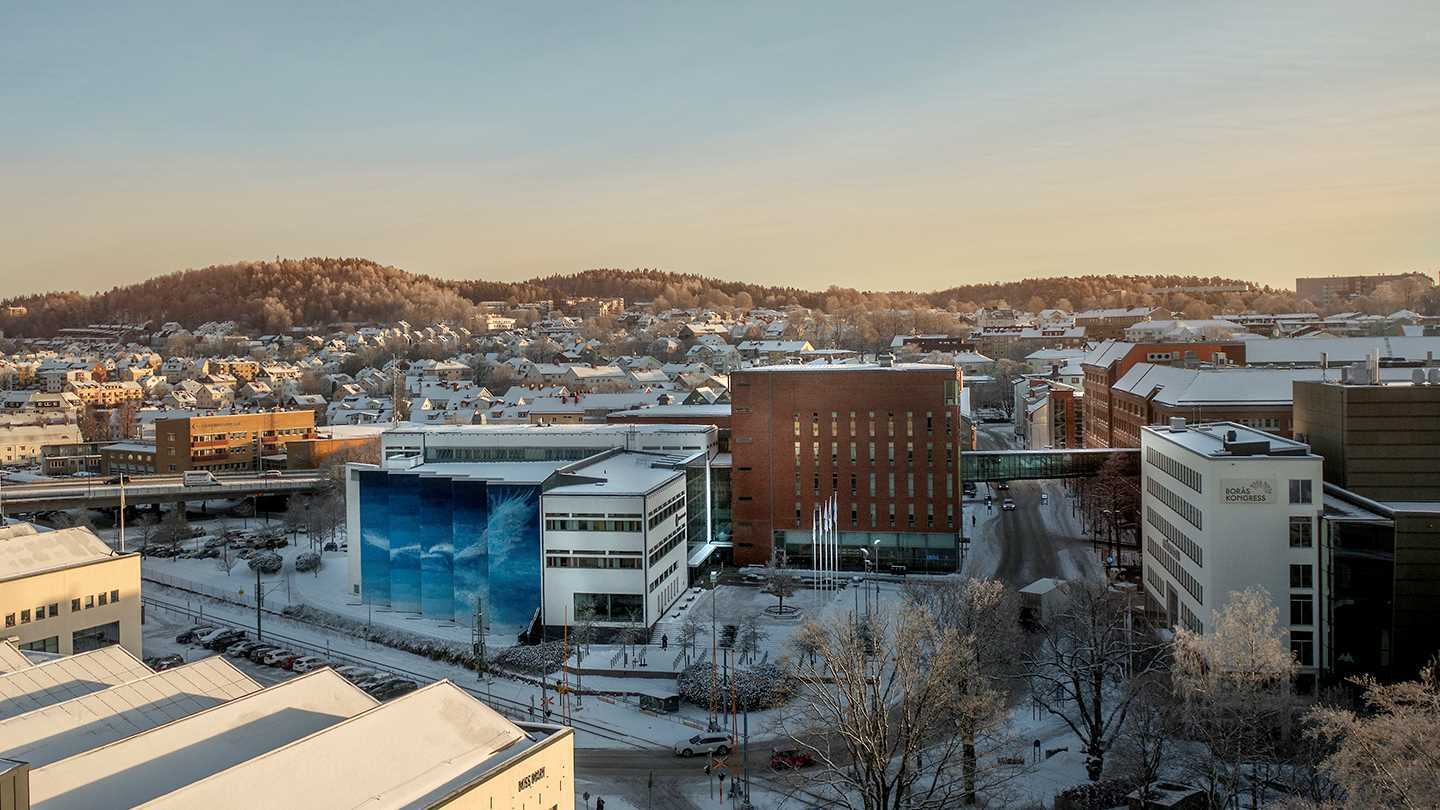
(760, 687)
(1102, 795)
(532, 659)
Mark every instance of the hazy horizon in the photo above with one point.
(910, 148)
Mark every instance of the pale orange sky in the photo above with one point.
(812, 145)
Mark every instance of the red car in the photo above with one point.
(783, 758)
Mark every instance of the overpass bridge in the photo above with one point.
(101, 493)
(1021, 465)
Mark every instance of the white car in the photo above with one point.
(210, 636)
(308, 663)
(710, 742)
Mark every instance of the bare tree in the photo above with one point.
(779, 583)
(1235, 687)
(690, 632)
(749, 638)
(1387, 755)
(987, 616)
(1090, 667)
(1145, 746)
(882, 725)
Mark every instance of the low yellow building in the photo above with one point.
(66, 591)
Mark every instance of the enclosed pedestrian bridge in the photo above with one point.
(1020, 465)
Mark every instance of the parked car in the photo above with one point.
(710, 742)
(258, 654)
(376, 680)
(272, 474)
(199, 478)
(353, 673)
(205, 638)
(188, 636)
(1008, 505)
(330, 546)
(394, 689)
(308, 663)
(224, 640)
(1044, 498)
(160, 663)
(266, 562)
(241, 649)
(786, 758)
(279, 658)
(969, 489)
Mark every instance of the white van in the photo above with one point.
(198, 478)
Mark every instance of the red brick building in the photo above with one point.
(1112, 359)
(885, 439)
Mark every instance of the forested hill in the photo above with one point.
(274, 296)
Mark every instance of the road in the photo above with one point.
(96, 493)
(1029, 549)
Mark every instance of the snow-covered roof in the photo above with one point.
(24, 551)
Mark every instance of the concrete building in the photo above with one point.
(66, 591)
(221, 742)
(534, 522)
(883, 438)
(1379, 441)
(227, 443)
(24, 443)
(1226, 507)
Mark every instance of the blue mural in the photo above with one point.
(434, 545)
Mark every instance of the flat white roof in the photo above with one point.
(509, 472)
(24, 551)
(1209, 440)
(148, 765)
(62, 679)
(854, 367)
(64, 729)
(391, 755)
(622, 474)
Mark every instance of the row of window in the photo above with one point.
(592, 525)
(889, 453)
(1172, 564)
(1189, 620)
(667, 545)
(889, 423)
(628, 563)
(910, 515)
(1174, 535)
(667, 509)
(42, 612)
(1186, 475)
(1189, 511)
(666, 574)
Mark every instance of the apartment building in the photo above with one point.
(24, 443)
(1224, 508)
(884, 439)
(1322, 289)
(227, 443)
(66, 591)
(1111, 323)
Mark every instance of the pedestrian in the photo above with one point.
(664, 642)
(599, 803)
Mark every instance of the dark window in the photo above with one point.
(93, 638)
(1300, 490)
(1300, 531)
(1301, 576)
(54, 609)
(74, 604)
(1302, 646)
(1302, 609)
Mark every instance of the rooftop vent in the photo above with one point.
(1417, 377)
(886, 360)
(1177, 424)
(1434, 376)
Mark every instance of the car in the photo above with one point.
(989, 499)
(1044, 498)
(160, 663)
(205, 638)
(188, 636)
(308, 663)
(279, 658)
(375, 680)
(710, 742)
(969, 489)
(1008, 505)
(258, 654)
(394, 689)
(786, 758)
(224, 640)
(272, 474)
(198, 478)
(353, 673)
(241, 649)
(330, 546)
(1002, 484)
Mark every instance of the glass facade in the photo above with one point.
(434, 546)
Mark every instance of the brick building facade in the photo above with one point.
(228, 443)
(1112, 359)
(884, 439)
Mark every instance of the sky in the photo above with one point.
(880, 146)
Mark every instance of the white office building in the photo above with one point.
(1224, 508)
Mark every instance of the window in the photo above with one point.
(1302, 646)
(103, 599)
(74, 604)
(1302, 576)
(872, 484)
(93, 638)
(1300, 490)
(49, 645)
(1302, 608)
(89, 601)
(9, 619)
(25, 616)
(1300, 531)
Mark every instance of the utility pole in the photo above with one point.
(259, 600)
(477, 638)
